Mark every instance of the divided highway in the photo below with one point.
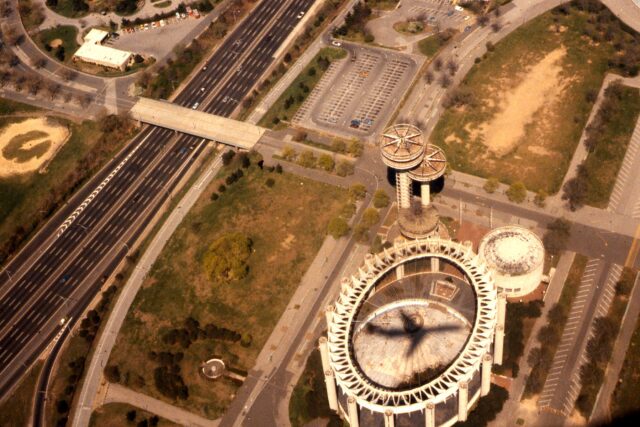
(61, 269)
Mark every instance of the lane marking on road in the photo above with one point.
(633, 250)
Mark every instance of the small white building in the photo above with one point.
(94, 52)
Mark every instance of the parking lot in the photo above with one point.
(356, 96)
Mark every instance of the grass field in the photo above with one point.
(15, 411)
(54, 39)
(294, 96)
(431, 45)
(616, 126)
(626, 398)
(520, 112)
(285, 238)
(115, 415)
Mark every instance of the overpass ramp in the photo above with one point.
(198, 123)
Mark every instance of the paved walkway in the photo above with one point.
(118, 393)
(628, 11)
(625, 197)
(601, 409)
(93, 379)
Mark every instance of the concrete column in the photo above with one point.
(435, 264)
(329, 314)
(332, 393)
(400, 271)
(485, 385)
(463, 399)
(430, 415)
(403, 190)
(389, 421)
(498, 345)
(324, 353)
(425, 195)
(345, 284)
(353, 411)
(502, 308)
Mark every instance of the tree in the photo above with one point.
(344, 168)
(557, 235)
(445, 81)
(131, 415)
(338, 227)
(226, 259)
(370, 217)
(517, 192)
(307, 159)
(428, 77)
(358, 191)
(361, 233)
(355, 148)
(288, 153)
(540, 199)
(491, 185)
(326, 162)
(112, 373)
(380, 199)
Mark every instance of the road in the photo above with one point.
(62, 267)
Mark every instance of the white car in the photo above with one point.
(196, 105)
(458, 8)
(336, 43)
(201, 89)
(300, 15)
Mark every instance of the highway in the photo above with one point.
(64, 265)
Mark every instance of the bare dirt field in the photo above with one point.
(28, 144)
(539, 90)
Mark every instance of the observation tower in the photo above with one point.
(412, 337)
(403, 149)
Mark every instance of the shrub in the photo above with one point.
(361, 233)
(307, 159)
(326, 162)
(345, 168)
(214, 197)
(222, 188)
(338, 227)
(540, 199)
(289, 153)
(517, 192)
(278, 168)
(227, 157)
(380, 199)
(370, 217)
(112, 373)
(226, 258)
(270, 182)
(357, 191)
(131, 415)
(491, 185)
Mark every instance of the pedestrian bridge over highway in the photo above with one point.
(204, 125)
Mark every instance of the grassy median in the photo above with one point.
(265, 227)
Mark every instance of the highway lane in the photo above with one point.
(63, 274)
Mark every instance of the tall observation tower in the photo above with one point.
(403, 149)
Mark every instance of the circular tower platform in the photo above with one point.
(410, 337)
(419, 221)
(516, 254)
(402, 146)
(432, 167)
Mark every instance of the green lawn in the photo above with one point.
(543, 150)
(291, 99)
(66, 34)
(115, 415)
(16, 410)
(286, 221)
(617, 118)
(430, 46)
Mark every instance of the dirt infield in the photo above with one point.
(28, 144)
(542, 86)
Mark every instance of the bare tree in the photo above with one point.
(483, 20)
(86, 100)
(452, 66)
(445, 80)
(5, 77)
(437, 64)
(67, 96)
(68, 74)
(497, 12)
(5, 9)
(495, 27)
(53, 89)
(428, 77)
(19, 81)
(39, 63)
(35, 84)
(14, 61)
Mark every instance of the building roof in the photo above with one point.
(102, 54)
(95, 36)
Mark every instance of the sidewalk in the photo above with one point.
(120, 394)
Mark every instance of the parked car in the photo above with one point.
(336, 43)
(196, 105)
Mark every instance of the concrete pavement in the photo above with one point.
(120, 394)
